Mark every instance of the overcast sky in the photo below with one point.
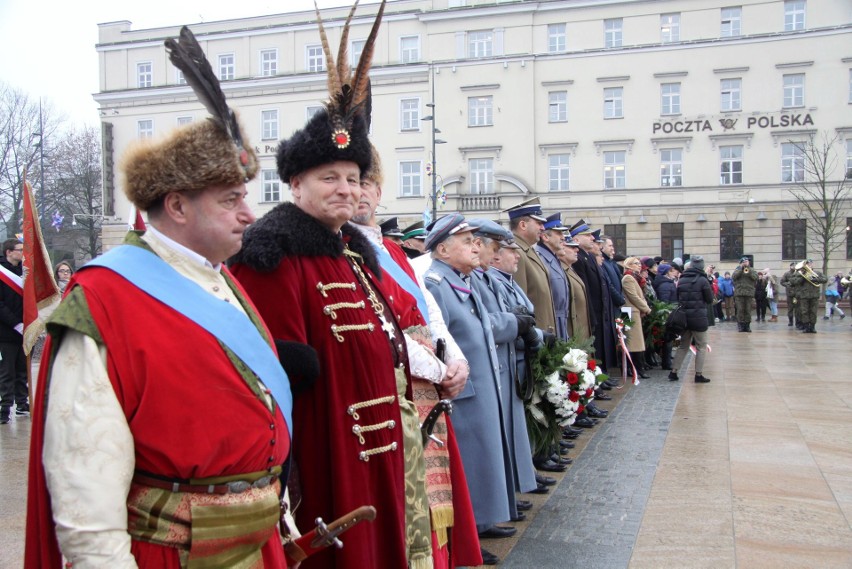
(48, 46)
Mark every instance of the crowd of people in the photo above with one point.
(215, 388)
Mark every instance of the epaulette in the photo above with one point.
(434, 277)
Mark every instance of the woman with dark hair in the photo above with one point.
(632, 285)
(62, 273)
(760, 297)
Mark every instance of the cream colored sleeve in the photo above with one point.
(88, 458)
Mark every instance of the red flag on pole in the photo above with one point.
(41, 295)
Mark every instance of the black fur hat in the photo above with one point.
(315, 145)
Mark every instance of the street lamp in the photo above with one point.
(435, 141)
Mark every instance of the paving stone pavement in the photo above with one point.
(593, 517)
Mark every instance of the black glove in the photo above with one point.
(525, 323)
(530, 338)
(549, 339)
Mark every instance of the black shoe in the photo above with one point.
(612, 382)
(601, 396)
(520, 517)
(673, 376)
(523, 505)
(560, 459)
(22, 410)
(488, 558)
(566, 445)
(548, 466)
(584, 422)
(498, 532)
(596, 413)
(605, 386)
(540, 489)
(545, 480)
(748, 327)
(790, 323)
(701, 379)
(825, 317)
(642, 374)
(4, 419)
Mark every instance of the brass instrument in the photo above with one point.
(847, 280)
(803, 269)
(746, 270)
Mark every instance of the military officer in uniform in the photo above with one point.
(792, 304)
(548, 248)
(806, 283)
(745, 279)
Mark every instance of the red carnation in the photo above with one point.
(572, 378)
(589, 392)
(580, 409)
(592, 365)
(574, 396)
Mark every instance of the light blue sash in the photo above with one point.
(402, 278)
(225, 322)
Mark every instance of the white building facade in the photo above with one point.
(675, 125)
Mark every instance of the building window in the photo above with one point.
(794, 234)
(409, 114)
(557, 106)
(730, 240)
(671, 167)
(731, 165)
(355, 49)
(179, 78)
(670, 98)
(850, 85)
(556, 38)
(557, 167)
(226, 66)
(731, 89)
(731, 22)
(269, 124)
(670, 28)
(849, 158)
(794, 90)
(311, 110)
(794, 15)
(618, 233)
(314, 58)
(268, 62)
(409, 49)
(480, 44)
(671, 240)
(271, 185)
(410, 179)
(612, 32)
(615, 173)
(144, 74)
(613, 103)
(145, 128)
(184, 121)
(479, 111)
(481, 175)
(792, 162)
(848, 238)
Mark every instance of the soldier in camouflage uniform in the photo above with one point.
(808, 290)
(744, 278)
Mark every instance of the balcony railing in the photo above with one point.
(479, 203)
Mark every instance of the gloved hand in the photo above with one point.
(525, 323)
(549, 339)
(531, 339)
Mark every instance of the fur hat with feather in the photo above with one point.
(207, 153)
(339, 130)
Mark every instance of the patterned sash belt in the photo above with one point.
(209, 529)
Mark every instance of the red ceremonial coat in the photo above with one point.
(191, 417)
(295, 272)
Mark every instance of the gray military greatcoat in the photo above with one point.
(478, 416)
(504, 327)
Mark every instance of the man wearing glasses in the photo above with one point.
(13, 366)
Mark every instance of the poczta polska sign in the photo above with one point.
(753, 122)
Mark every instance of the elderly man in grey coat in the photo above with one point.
(478, 420)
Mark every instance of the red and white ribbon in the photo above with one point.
(625, 355)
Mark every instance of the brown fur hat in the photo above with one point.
(192, 157)
(375, 173)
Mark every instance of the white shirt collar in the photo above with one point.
(191, 255)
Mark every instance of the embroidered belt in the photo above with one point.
(359, 430)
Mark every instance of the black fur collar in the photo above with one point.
(287, 231)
